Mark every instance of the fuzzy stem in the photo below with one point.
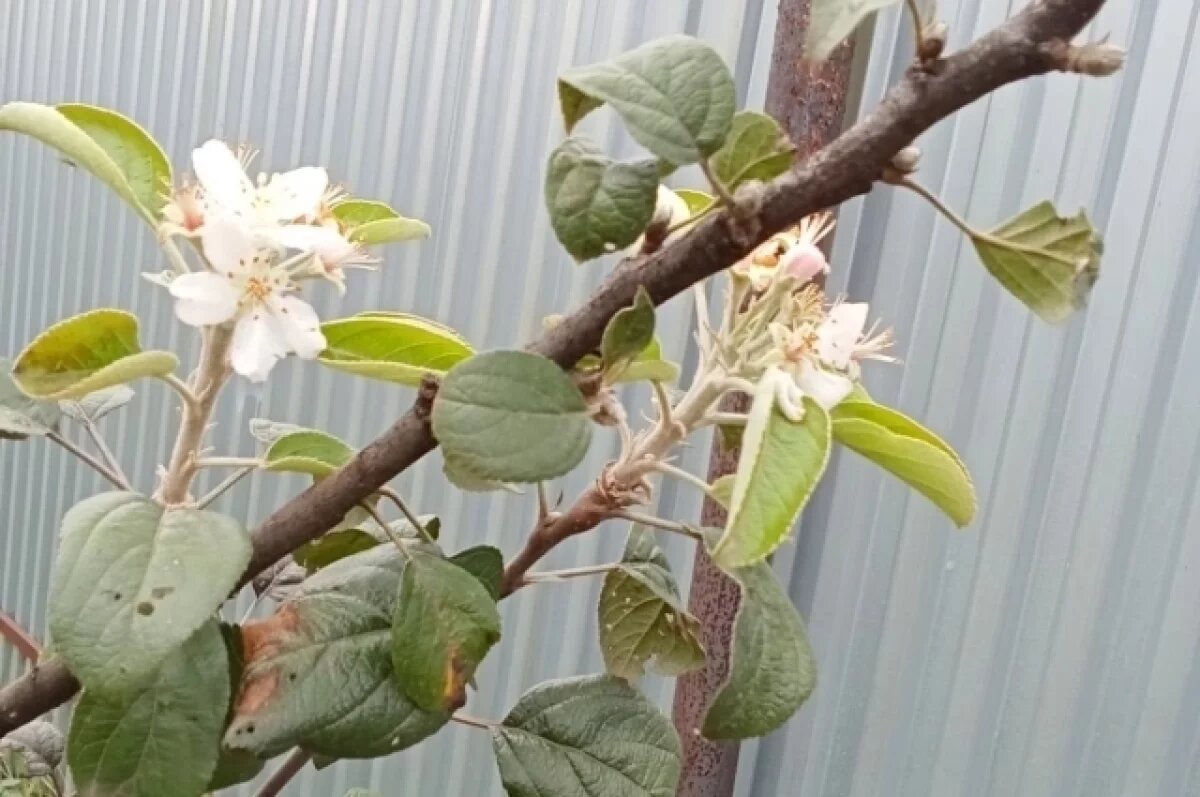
(89, 460)
(224, 486)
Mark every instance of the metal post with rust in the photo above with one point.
(810, 102)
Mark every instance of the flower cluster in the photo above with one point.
(245, 231)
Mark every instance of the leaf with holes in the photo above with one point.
(910, 452)
(511, 416)
(486, 564)
(757, 149)
(597, 205)
(20, 415)
(307, 451)
(1047, 261)
(831, 21)
(133, 580)
(642, 618)
(445, 623)
(675, 95)
(161, 738)
(780, 464)
(771, 669)
(393, 347)
(86, 353)
(592, 736)
(335, 629)
(369, 221)
(107, 144)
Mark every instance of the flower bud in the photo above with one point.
(803, 262)
(907, 160)
(1098, 59)
(933, 40)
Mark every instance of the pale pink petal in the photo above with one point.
(839, 332)
(228, 244)
(301, 327)
(203, 299)
(294, 194)
(824, 387)
(224, 180)
(803, 262)
(258, 344)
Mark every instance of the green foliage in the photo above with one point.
(394, 347)
(510, 416)
(771, 670)
(641, 616)
(445, 623)
(20, 415)
(756, 149)
(86, 353)
(675, 95)
(909, 451)
(163, 737)
(369, 221)
(628, 334)
(335, 545)
(335, 629)
(95, 406)
(307, 451)
(486, 564)
(593, 736)
(831, 21)
(108, 145)
(133, 581)
(1047, 261)
(780, 465)
(696, 201)
(597, 205)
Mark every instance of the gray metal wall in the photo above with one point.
(1047, 650)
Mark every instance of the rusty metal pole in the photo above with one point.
(810, 102)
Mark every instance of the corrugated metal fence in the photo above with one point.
(1048, 650)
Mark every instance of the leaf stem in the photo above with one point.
(918, 26)
(88, 459)
(290, 767)
(383, 524)
(229, 462)
(667, 469)
(178, 263)
(180, 387)
(658, 523)
(690, 220)
(224, 486)
(409, 515)
(570, 572)
(473, 722)
(106, 453)
(932, 198)
(718, 187)
(543, 502)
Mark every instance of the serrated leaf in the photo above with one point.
(484, 562)
(756, 149)
(86, 353)
(910, 452)
(696, 201)
(96, 405)
(445, 623)
(335, 545)
(163, 737)
(780, 464)
(20, 415)
(336, 629)
(675, 95)
(831, 21)
(108, 145)
(1047, 261)
(642, 618)
(393, 347)
(371, 222)
(309, 451)
(628, 334)
(591, 736)
(133, 580)
(772, 670)
(511, 416)
(597, 205)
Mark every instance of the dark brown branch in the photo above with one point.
(290, 767)
(1020, 48)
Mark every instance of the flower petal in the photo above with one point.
(839, 332)
(295, 194)
(803, 262)
(301, 327)
(224, 180)
(228, 244)
(203, 299)
(329, 245)
(258, 343)
(824, 387)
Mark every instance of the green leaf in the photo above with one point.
(20, 415)
(307, 451)
(133, 580)
(697, 201)
(267, 431)
(648, 366)
(831, 21)
(511, 416)
(910, 452)
(393, 347)
(675, 95)
(642, 618)
(597, 205)
(628, 334)
(445, 623)
(139, 157)
(162, 738)
(486, 564)
(771, 669)
(86, 353)
(780, 464)
(319, 670)
(757, 149)
(96, 405)
(721, 490)
(591, 736)
(335, 545)
(1047, 261)
(108, 145)
(370, 222)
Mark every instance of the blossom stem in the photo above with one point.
(88, 459)
(178, 263)
(210, 376)
(667, 469)
(724, 419)
(918, 26)
(224, 486)
(570, 572)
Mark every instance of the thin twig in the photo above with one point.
(228, 462)
(88, 459)
(228, 482)
(290, 767)
(543, 502)
(570, 572)
(411, 516)
(658, 523)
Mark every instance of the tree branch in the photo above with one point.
(1022, 47)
